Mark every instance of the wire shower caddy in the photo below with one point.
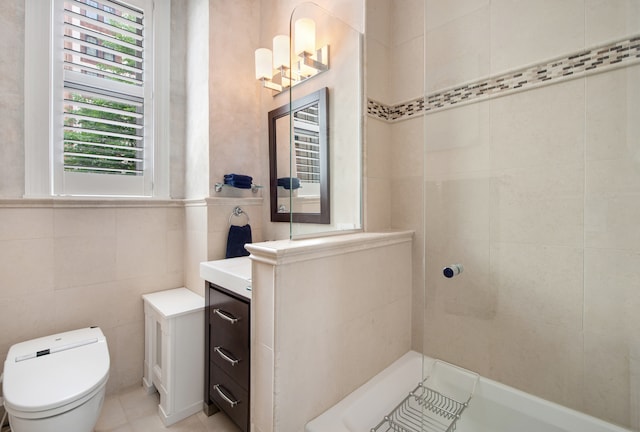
(435, 404)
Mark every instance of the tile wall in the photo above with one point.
(65, 267)
(535, 191)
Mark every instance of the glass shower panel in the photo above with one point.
(343, 81)
(532, 183)
(611, 254)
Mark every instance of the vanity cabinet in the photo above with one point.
(227, 353)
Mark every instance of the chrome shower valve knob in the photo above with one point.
(452, 270)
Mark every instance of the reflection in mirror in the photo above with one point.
(299, 167)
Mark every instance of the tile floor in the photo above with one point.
(133, 410)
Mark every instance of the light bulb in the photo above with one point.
(305, 33)
(281, 51)
(263, 63)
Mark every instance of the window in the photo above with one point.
(107, 130)
(88, 49)
(91, 12)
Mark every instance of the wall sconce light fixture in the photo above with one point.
(272, 67)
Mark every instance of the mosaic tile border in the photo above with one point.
(605, 57)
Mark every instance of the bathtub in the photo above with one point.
(494, 407)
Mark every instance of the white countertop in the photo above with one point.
(233, 274)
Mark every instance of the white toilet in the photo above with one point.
(56, 383)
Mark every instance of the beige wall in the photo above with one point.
(195, 83)
(222, 130)
(393, 179)
(233, 91)
(12, 101)
(533, 192)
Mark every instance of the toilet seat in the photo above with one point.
(48, 376)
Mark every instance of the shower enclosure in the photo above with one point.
(531, 180)
(505, 135)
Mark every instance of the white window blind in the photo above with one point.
(95, 122)
(103, 97)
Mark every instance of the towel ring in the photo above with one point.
(237, 211)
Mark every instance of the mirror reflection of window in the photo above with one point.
(306, 133)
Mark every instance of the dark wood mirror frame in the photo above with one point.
(321, 98)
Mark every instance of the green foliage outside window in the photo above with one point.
(99, 147)
(131, 62)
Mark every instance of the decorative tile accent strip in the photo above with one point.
(615, 55)
(377, 109)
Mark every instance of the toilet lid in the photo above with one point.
(52, 371)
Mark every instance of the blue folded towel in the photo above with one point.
(238, 180)
(238, 177)
(289, 182)
(237, 238)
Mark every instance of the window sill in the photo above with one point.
(88, 202)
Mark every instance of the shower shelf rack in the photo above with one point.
(426, 409)
(219, 186)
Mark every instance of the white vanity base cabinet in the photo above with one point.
(174, 352)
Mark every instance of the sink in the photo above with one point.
(233, 274)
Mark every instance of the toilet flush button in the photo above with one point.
(56, 349)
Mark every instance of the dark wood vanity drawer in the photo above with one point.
(235, 305)
(229, 317)
(229, 397)
(231, 358)
(233, 336)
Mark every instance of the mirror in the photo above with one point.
(299, 173)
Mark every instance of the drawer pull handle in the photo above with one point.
(226, 316)
(226, 398)
(226, 356)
